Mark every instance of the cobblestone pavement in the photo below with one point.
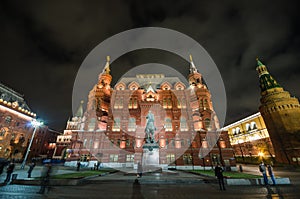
(37, 171)
(125, 190)
(19, 191)
(118, 185)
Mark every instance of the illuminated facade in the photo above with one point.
(249, 137)
(16, 129)
(281, 113)
(112, 129)
(275, 130)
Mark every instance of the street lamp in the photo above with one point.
(35, 124)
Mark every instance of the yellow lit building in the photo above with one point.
(249, 137)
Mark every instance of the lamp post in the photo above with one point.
(35, 124)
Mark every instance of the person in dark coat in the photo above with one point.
(219, 174)
(136, 190)
(139, 170)
(45, 178)
(9, 171)
(271, 174)
(262, 169)
(31, 167)
(78, 165)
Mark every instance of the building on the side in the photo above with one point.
(16, 129)
(112, 129)
(249, 137)
(281, 114)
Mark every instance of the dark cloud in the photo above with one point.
(44, 42)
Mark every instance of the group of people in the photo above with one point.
(267, 169)
(264, 169)
(10, 169)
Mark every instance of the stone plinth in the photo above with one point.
(150, 161)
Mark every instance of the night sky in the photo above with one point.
(43, 44)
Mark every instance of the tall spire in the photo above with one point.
(193, 69)
(259, 62)
(106, 69)
(79, 112)
(265, 79)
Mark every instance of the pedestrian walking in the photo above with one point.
(9, 171)
(271, 174)
(262, 169)
(78, 165)
(139, 170)
(45, 178)
(219, 174)
(241, 168)
(31, 167)
(98, 164)
(136, 190)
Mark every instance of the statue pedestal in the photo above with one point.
(150, 161)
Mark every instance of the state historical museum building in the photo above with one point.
(112, 129)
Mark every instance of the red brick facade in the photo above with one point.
(112, 129)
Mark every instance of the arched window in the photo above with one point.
(84, 142)
(118, 103)
(179, 103)
(132, 103)
(8, 119)
(233, 132)
(168, 124)
(207, 123)
(131, 124)
(167, 103)
(91, 143)
(248, 127)
(117, 124)
(206, 105)
(253, 125)
(183, 124)
(237, 130)
(91, 125)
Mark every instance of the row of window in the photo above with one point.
(248, 127)
(203, 103)
(133, 103)
(135, 86)
(164, 143)
(132, 124)
(8, 120)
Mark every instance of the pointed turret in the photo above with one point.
(195, 78)
(105, 78)
(106, 69)
(265, 79)
(281, 115)
(79, 112)
(193, 69)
